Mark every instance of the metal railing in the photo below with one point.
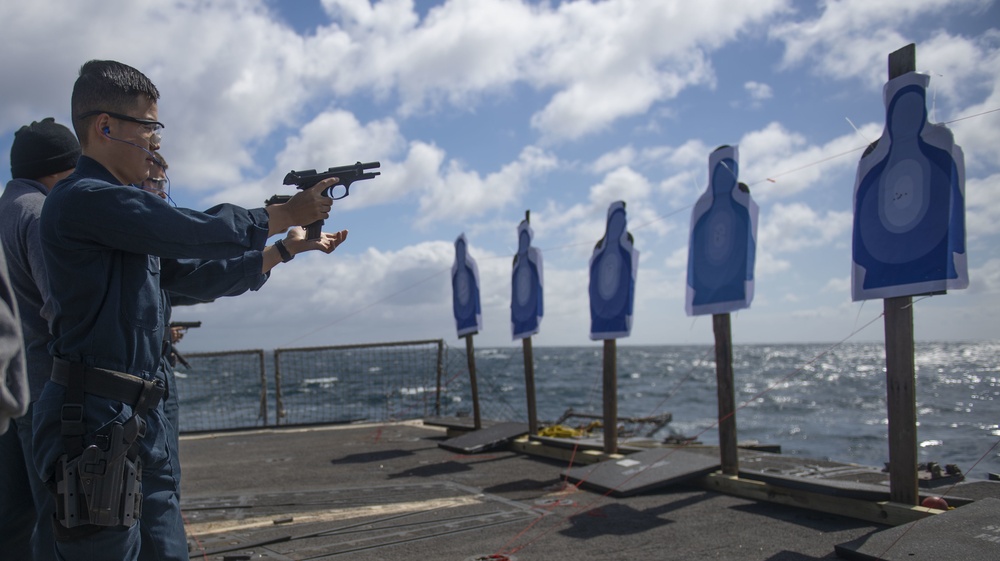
(222, 390)
(372, 382)
(352, 383)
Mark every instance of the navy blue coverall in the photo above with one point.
(109, 249)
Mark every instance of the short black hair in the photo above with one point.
(163, 162)
(108, 85)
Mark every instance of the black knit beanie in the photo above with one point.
(43, 148)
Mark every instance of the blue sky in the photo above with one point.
(482, 109)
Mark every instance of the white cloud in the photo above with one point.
(692, 152)
(622, 184)
(617, 158)
(982, 212)
(312, 148)
(687, 167)
(459, 51)
(840, 285)
(758, 91)
(985, 279)
(976, 82)
(461, 194)
(398, 293)
(778, 163)
(962, 69)
(682, 187)
(616, 59)
(768, 264)
(793, 227)
(479, 109)
(852, 37)
(625, 184)
(583, 108)
(217, 65)
(604, 61)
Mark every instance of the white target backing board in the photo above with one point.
(722, 247)
(613, 268)
(526, 302)
(909, 203)
(465, 290)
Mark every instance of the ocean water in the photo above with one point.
(818, 401)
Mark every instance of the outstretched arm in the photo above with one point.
(295, 242)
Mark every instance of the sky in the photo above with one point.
(481, 110)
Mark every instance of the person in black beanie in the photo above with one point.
(43, 153)
(43, 148)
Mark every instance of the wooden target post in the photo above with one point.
(470, 352)
(899, 364)
(610, 396)
(728, 454)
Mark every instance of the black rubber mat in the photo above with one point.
(485, 439)
(643, 471)
(970, 532)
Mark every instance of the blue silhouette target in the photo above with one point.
(465, 290)
(526, 305)
(909, 203)
(723, 243)
(613, 268)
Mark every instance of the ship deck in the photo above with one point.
(389, 491)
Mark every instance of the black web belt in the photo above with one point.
(100, 382)
(79, 379)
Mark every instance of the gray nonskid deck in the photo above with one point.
(345, 520)
(390, 492)
(971, 532)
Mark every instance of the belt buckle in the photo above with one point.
(72, 419)
(72, 413)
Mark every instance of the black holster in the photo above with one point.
(99, 485)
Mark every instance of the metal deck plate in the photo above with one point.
(643, 471)
(296, 525)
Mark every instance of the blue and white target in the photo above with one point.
(909, 216)
(722, 245)
(465, 290)
(613, 269)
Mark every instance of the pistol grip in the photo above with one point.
(314, 230)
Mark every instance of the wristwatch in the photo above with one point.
(286, 256)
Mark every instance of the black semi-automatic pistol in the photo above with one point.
(306, 179)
